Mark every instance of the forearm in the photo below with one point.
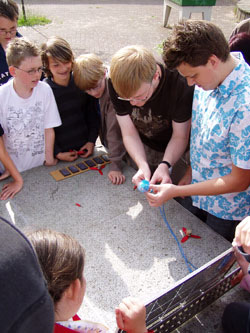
(175, 149)
(8, 163)
(113, 138)
(10, 166)
(135, 148)
(49, 144)
(226, 184)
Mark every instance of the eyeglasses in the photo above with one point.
(4, 32)
(32, 71)
(136, 99)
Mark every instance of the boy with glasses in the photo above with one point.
(91, 76)
(8, 31)
(28, 111)
(153, 107)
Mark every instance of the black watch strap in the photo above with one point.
(166, 162)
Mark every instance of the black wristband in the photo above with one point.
(244, 254)
(166, 162)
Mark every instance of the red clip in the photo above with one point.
(80, 152)
(187, 234)
(78, 205)
(98, 169)
(135, 187)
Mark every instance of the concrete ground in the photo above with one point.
(129, 250)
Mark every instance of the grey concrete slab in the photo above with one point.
(129, 249)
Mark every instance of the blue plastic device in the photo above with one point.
(143, 186)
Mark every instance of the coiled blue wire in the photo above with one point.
(187, 262)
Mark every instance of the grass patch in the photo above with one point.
(159, 48)
(32, 20)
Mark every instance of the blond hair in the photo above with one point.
(19, 49)
(56, 48)
(88, 70)
(61, 258)
(130, 67)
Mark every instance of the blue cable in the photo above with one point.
(187, 262)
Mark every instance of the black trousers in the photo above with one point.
(236, 318)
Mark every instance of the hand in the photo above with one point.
(241, 261)
(131, 316)
(4, 175)
(142, 173)
(116, 177)
(242, 235)
(90, 148)
(9, 190)
(161, 175)
(161, 194)
(67, 156)
(51, 162)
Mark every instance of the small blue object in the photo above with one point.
(143, 186)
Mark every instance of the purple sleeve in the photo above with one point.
(245, 282)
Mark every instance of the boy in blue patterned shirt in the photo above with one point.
(219, 176)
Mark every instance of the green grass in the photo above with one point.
(32, 20)
(159, 48)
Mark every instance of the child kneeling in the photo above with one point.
(62, 261)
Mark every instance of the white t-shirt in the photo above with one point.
(24, 121)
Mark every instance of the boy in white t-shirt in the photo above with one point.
(28, 111)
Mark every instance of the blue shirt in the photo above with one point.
(220, 136)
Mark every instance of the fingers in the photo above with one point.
(242, 234)
(5, 175)
(116, 177)
(139, 176)
(119, 319)
(9, 191)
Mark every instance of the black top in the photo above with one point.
(4, 68)
(26, 306)
(1, 130)
(79, 115)
(172, 100)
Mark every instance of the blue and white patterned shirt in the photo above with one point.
(220, 136)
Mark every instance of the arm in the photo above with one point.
(238, 180)
(131, 316)
(174, 150)
(134, 146)
(9, 190)
(49, 147)
(111, 134)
